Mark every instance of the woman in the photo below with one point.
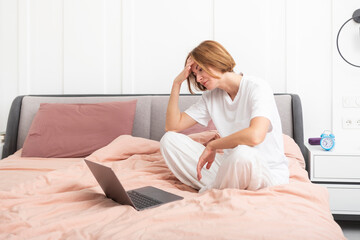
(243, 111)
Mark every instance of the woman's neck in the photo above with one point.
(231, 83)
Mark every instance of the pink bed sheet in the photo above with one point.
(60, 199)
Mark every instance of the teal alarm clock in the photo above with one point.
(327, 141)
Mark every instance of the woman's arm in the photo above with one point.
(176, 120)
(251, 136)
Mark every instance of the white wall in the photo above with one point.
(139, 46)
(346, 78)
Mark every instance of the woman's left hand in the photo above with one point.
(208, 156)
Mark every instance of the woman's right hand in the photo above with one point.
(185, 72)
(175, 119)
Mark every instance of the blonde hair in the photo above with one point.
(210, 54)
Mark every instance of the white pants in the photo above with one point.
(241, 168)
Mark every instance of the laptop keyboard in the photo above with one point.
(142, 201)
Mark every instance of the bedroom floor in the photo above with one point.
(351, 229)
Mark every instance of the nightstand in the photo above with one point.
(339, 171)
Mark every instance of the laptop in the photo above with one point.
(140, 199)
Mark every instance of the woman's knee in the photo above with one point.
(168, 137)
(172, 141)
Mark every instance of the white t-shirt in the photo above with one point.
(254, 99)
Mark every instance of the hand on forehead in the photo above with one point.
(194, 67)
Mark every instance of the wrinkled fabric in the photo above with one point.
(53, 198)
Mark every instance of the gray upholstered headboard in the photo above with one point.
(149, 117)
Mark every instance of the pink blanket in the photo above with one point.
(60, 199)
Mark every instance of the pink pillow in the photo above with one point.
(77, 130)
(197, 128)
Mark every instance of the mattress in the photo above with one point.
(58, 198)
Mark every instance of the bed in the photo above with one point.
(53, 195)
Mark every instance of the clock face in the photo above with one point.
(327, 143)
